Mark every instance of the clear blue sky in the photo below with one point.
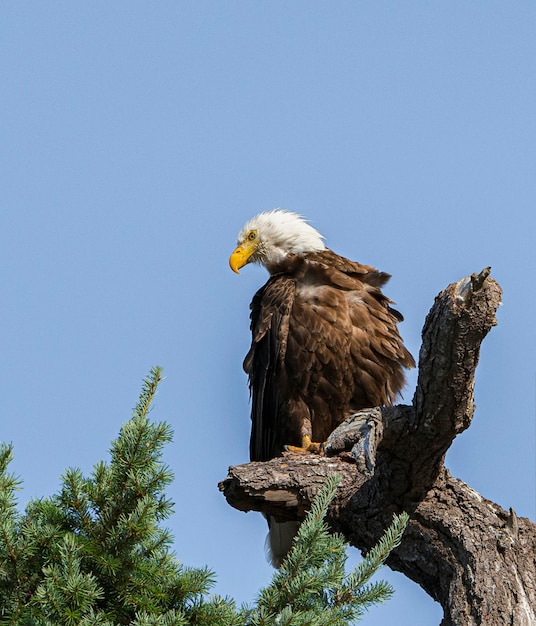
(137, 138)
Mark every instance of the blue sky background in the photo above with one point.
(137, 138)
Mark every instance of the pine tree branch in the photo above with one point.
(311, 587)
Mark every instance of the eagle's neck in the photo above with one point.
(292, 264)
(282, 251)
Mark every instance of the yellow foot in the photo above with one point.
(307, 447)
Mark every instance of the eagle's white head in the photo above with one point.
(269, 237)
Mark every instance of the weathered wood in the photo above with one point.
(469, 554)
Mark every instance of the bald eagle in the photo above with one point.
(325, 342)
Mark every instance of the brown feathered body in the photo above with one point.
(325, 344)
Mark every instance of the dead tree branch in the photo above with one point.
(469, 554)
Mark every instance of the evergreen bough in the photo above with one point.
(96, 555)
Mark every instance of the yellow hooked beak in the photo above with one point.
(241, 256)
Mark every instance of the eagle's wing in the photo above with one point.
(270, 314)
(376, 356)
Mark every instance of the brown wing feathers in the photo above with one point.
(270, 310)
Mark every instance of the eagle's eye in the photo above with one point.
(252, 235)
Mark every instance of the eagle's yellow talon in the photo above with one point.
(307, 447)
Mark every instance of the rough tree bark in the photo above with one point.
(476, 559)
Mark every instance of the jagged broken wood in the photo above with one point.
(466, 552)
